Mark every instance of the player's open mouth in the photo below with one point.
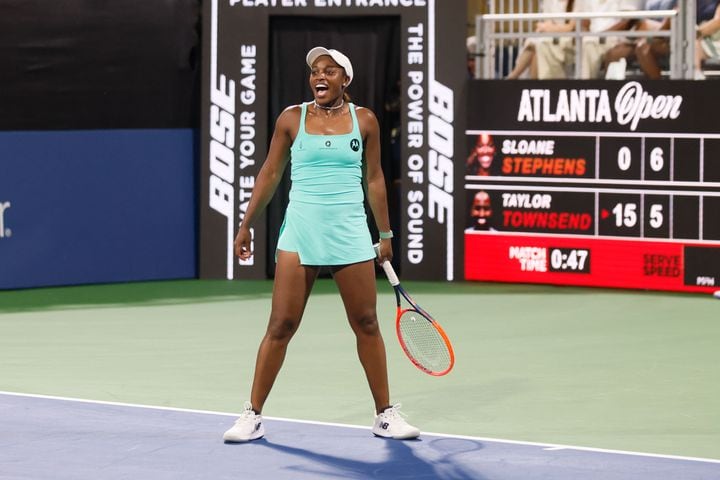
(321, 88)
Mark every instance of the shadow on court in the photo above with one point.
(399, 461)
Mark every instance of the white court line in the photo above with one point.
(545, 446)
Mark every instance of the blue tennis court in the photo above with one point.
(46, 437)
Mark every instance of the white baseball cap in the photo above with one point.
(339, 58)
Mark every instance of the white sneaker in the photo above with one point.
(391, 424)
(248, 427)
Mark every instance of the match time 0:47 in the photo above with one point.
(575, 260)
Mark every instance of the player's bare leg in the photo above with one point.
(292, 286)
(357, 287)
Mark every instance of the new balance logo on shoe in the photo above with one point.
(390, 424)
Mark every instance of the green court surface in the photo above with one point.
(611, 369)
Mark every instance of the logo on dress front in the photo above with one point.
(355, 144)
(328, 143)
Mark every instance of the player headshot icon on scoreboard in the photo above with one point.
(480, 217)
(481, 156)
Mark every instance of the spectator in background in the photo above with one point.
(646, 50)
(527, 59)
(708, 34)
(649, 51)
(471, 44)
(554, 60)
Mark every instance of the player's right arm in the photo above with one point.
(286, 127)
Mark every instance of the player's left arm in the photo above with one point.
(376, 191)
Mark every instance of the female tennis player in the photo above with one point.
(326, 142)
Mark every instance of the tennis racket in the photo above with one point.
(421, 337)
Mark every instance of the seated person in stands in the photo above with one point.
(526, 58)
(471, 44)
(708, 34)
(646, 50)
(554, 60)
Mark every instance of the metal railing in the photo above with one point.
(492, 37)
(519, 27)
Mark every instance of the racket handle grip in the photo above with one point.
(388, 268)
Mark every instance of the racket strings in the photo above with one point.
(423, 342)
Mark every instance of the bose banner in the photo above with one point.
(236, 124)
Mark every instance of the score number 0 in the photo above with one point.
(657, 160)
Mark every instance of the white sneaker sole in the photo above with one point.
(405, 436)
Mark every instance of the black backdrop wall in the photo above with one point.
(98, 141)
(74, 64)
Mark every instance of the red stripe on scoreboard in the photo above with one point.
(622, 263)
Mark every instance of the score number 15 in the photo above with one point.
(626, 215)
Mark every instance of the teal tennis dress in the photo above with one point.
(325, 221)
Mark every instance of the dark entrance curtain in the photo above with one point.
(373, 46)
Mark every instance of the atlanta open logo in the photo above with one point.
(4, 232)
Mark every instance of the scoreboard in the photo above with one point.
(613, 184)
